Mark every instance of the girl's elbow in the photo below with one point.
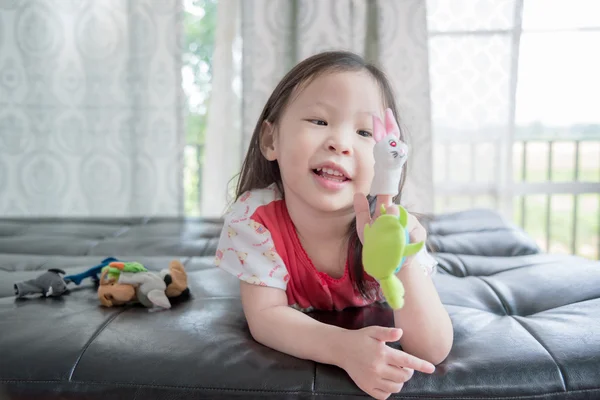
(440, 352)
(436, 349)
(257, 331)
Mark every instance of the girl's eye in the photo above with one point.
(318, 122)
(365, 133)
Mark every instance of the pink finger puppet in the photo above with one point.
(390, 155)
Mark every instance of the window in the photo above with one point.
(557, 135)
(515, 97)
(199, 23)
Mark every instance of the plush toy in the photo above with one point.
(54, 284)
(125, 282)
(385, 246)
(111, 293)
(119, 283)
(93, 272)
(48, 284)
(149, 287)
(175, 278)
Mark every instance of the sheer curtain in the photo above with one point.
(90, 108)
(276, 34)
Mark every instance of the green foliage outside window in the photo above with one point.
(199, 24)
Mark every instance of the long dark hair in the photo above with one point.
(257, 172)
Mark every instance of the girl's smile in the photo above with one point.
(330, 182)
(331, 176)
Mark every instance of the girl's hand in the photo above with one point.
(363, 213)
(376, 368)
(363, 216)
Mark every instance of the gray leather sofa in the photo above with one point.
(527, 325)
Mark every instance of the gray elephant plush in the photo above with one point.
(50, 283)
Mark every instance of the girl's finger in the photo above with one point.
(389, 387)
(417, 232)
(402, 359)
(393, 210)
(382, 199)
(397, 374)
(380, 394)
(363, 213)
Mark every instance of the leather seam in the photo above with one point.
(314, 383)
(122, 229)
(190, 388)
(206, 245)
(464, 271)
(503, 302)
(91, 339)
(563, 306)
(530, 265)
(560, 371)
(93, 245)
(470, 308)
(484, 230)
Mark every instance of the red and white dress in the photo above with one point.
(259, 245)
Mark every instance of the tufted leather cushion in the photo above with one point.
(526, 324)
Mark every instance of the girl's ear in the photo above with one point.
(378, 129)
(267, 141)
(391, 126)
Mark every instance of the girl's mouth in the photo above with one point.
(330, 174)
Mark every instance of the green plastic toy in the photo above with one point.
(115, 268)
(385, 247)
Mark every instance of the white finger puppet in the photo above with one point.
(390, 155)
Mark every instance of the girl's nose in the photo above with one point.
(340, 144)
(339, 148)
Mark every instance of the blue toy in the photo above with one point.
(93, 272)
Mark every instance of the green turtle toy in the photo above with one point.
(386, 246)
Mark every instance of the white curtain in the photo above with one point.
(90, 108)
(276, 34)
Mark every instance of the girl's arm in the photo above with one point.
(428, 332)
(362, 353)
(246, 250)
(276, 325)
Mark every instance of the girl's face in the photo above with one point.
(323, 142)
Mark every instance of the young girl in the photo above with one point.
(292, 239)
